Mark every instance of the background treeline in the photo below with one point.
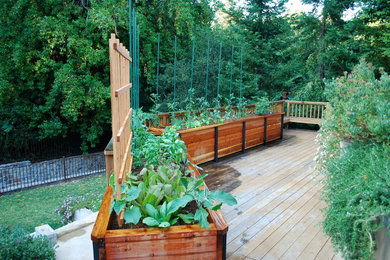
(54, 68)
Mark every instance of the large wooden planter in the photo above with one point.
(177, 242)
(215, 141)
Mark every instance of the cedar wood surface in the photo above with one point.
(278, 212)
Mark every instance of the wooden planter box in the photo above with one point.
(177, 242)
(215, 141)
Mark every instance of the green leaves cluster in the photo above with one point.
(358, 175)
(159, 197)
(359, 105)
(358, 197)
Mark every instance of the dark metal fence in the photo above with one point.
(17, 176)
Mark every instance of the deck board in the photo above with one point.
(278, 213)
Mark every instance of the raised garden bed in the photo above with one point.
(179, 242)
(211, 142)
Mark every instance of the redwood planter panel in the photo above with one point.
(176, 242)
(201, 143)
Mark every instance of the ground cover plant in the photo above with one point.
(33, 207)
(15, 243)
(358, 171)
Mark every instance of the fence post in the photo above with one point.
(64, 166)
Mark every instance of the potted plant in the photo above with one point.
(165, 208)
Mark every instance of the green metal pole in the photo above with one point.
(231, 75)
(207, 67)
(158, 59)
(130, 67)
(174, 73)
(138, 68)
(242, 50)
(219, 70)
(192, 66)
(134, 62)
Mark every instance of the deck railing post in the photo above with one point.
(216, 143)
(281, 127)
(265, 130)
(243, 136)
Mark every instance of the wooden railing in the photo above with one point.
(305, 112)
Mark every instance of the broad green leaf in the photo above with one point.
(123, 188)
(201, 216)
(216, 207)
(132, 215)
(119, 205)
(132, 193)
(152, 211)
(151, 222)
(187, 218)
(112, 180)
(163, 210)
(224, 197)
(173, 221)
(179, 203)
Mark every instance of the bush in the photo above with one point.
(17, 244)
(262, 106)
(359, 105)
(358, 176)
(358, 195)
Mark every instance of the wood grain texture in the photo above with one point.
(279, 211)
(200, 141)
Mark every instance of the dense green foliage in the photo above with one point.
(54, 73)
(358, 172)
(17, 244)
(358, 196)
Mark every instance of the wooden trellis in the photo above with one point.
(120, 110)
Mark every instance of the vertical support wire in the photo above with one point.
(207, 67)
(219, 70)
(174, 74)
(138, 68)
(158, 61)
(231, 76)
(242, 50)
(130, 46)
(134, 61)
(192, 67)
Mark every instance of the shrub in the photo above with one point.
(358, 176)
(17, 244)
(262, 106)
(358, 195)
(359, 105)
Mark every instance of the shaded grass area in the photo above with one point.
(30, 208)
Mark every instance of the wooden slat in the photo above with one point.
(103, 217)
(123, 126)
(121, 51)
(125, 162)
(121, 90)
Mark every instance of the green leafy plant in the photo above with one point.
(358, 198)
(356, 176)
(263, 106)
(15, 243)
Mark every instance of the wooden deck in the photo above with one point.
(278, 212)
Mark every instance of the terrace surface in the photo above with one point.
(278, 191)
